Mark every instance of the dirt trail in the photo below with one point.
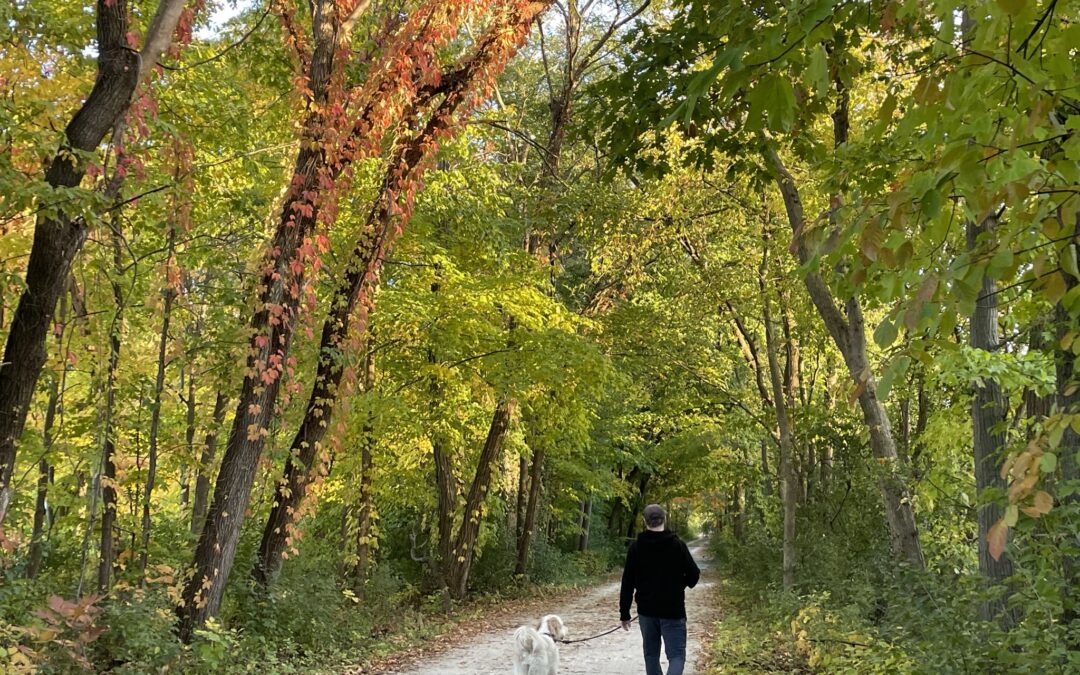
(595, 611)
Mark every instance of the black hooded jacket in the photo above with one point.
(660, 568)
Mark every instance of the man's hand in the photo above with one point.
(626, 625)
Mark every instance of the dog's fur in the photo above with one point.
(535, 651)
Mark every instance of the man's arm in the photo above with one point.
(691, 573)
(626, 591)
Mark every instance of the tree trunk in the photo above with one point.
(446, 497)
(364, 515)
(1068, 402)
(271, 329)
(988, 414)
(849, 334)
(386, 220)
(739, 497)
(33, 565)
(189, 440)
(637, 504)
(155, 420)
(766, 478)
(536, 477)
(365, 506)
(445, 483)
(586, 524)
(522, 496)
(58, 238)
(217, 546)
(206, 462)
(465, 542)
(108, 441)
(788, 487)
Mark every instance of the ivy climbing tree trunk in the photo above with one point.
(271, 328)
(365, 505)
(57, 236)
(389, 215)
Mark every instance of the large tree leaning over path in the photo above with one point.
(460, 85)
(848, 331)
(389, 84)
(57, 236)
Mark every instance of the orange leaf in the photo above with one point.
(1043, 502)
(996, 538)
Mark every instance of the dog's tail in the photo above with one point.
(526, 639)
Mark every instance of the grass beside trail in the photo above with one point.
(745, 639)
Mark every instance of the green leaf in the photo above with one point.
(886, 332)
(773, 100)
(817, 71)
(1000, 263)
(1012, 514)
(1048, 463)
(1012, 7)
(930, 204)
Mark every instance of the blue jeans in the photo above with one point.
(673, 631)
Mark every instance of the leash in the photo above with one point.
(593, 637)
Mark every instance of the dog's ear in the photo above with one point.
(555, 627)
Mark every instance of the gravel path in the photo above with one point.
(593, 612)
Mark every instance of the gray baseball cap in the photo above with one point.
(654, 515)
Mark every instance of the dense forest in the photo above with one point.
(329, 323)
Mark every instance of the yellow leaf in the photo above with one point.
(1055, 287)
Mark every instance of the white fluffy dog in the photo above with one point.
(535, 652)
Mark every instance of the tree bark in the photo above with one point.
(989, 411)
(189, 440)
(206, 462)
(108, 441)
(57, 239)
(365, 505)
(386, 219)
(788, 488)
(522, 496)
(445, 483)
(1068, 402)
(586, 524)
(739, 498)
(465, 541)
(155, 420)
(536, 476)
(848, 333)
(33, 564)
(271, 329)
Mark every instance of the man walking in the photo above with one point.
(660, 568)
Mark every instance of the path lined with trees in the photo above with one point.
(323, 321)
